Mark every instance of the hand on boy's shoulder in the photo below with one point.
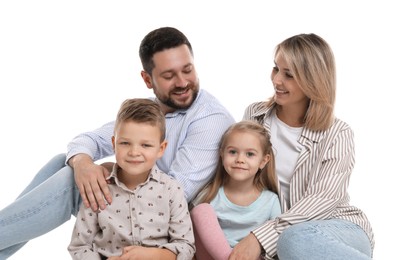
(108, 166)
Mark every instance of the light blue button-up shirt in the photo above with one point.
(193, 137)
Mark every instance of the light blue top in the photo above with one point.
(238, 221)
(193, 137)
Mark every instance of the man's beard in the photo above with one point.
(169, 102)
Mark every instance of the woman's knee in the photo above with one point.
(321, 239)
(291, 235)
(295, 240)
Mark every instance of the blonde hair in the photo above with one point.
(312, 63)
(142, 110)
(264, 179)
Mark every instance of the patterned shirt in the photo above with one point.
(318, 187)
(193, 137)
(154, 214)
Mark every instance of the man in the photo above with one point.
(195, 122)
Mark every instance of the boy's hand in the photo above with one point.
(144, 253)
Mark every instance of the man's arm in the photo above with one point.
(197, 154)
(83, 150)
(91, 181)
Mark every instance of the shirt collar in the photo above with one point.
(154, 175)
(263, 112)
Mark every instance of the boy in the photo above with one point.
(149, 209)
(195, 122)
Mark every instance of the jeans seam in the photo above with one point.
(33, 211)
(318, 231)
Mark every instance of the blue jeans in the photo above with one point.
(46, 203)
(324, 239)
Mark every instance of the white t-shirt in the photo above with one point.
(286, 148)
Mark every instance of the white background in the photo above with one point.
(65, 67)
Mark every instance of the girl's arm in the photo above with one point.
(325, 183)
(210, 241)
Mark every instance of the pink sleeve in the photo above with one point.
(210, 241)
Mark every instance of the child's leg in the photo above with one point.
(210, 241)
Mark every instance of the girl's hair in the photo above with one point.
(312, 64)
(264, 178)
(142, 110)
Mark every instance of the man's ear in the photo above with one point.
(147, 79)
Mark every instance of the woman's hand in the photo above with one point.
(248, 248)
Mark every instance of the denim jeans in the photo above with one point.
(324, 239)
(46, 203)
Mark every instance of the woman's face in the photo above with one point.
(287, 90)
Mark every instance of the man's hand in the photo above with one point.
(247, 249)
(91, 181)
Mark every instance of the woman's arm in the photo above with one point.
(319, 187)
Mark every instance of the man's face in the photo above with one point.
(174, 79)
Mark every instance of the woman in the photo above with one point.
(314, 153)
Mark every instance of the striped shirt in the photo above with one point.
(318, 187)
(193, 137)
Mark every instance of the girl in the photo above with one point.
(314, 158)
(242, 194)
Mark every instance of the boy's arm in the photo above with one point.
(181, 236)
(145, 253)
(84, 231)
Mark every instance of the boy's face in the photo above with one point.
(174, 79)
(137, 147)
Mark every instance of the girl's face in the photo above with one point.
(243, 156)
(287, 91)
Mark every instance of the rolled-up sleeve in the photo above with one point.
(97, 144)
